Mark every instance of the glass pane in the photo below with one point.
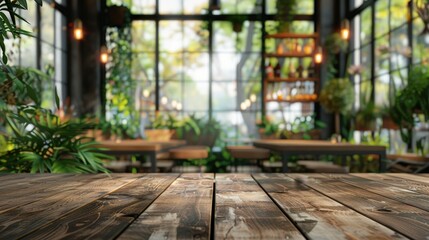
(365, 33)
(143, 67)
(224, 66)
(303, 27)
(400, 48)
(382, 55)
(300, 7)
(60, 66)
(195, 36)
(381, 17)
(197, 96)
(420, 42)
(305, 7)
(171, 37)
(28, 51)
(398, 12)
(143, 36)
(170, 6)
(170, 91)
(143, 7)
(366, 62)
(146, 93)
(225, 96)
(196, 66)
(247, 40)
(196, 6)
(356, 28)
(249, 66)
(30, 16)
(60, 31)
(240, 6)
(171, 66)
(382, 90)
(47, 24)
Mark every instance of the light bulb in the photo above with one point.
(78, 29)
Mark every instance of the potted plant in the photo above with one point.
(365, 118)
(267, 128)
(414, 98)
(304, 128)
(337, 96)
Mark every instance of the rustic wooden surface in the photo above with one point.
(209, 206)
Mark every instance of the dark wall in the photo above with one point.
(84, 58)
(328, 22)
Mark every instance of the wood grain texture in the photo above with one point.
(107, 217)
(415, 177)
(396, 181)
(20, 221)
(397, 193)
(18, 195)
(244, 211)
(183, 211)
(318, 216)
(408, 220)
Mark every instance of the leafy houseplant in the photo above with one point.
(267, 128)
(304, 128)
(38, 141)
(337, 96)
(413, 98)
(42, 143)
(367, 114)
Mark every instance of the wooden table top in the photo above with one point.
(209, 206)
(139, 145)
(313, 145)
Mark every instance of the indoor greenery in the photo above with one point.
(42, 143)
(267, 127)
(120, 87)
(413, 98)
(37, 140)
(337, 96)
(367, 113)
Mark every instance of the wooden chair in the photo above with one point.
(322, 167)
(247, 153)
(408, 163)
(192, 152)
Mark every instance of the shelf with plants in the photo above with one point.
(292, 79)
(291, 76)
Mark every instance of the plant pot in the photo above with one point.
(388, 123)
(313, 134)
(159, 134)
(365, 126)
(263, 135)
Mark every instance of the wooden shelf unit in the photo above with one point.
(292, 54)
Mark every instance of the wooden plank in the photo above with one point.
(318, 216)
(108, 216)
(40, 189)
(396, 181)
(183, 211)
(415, 177)
(397, 193)
(408, 220)
(20, 221)
(12, 180)
(244, 211)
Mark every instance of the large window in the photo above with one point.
(206, 65)
(46, 49)
(381, 45)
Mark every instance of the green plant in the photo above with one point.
(414, 97)
(267, 126)
(337, 96)
(368, 112)
(42, 143)
(333, 45)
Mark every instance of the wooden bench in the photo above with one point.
(247, 153)
(322, 167)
